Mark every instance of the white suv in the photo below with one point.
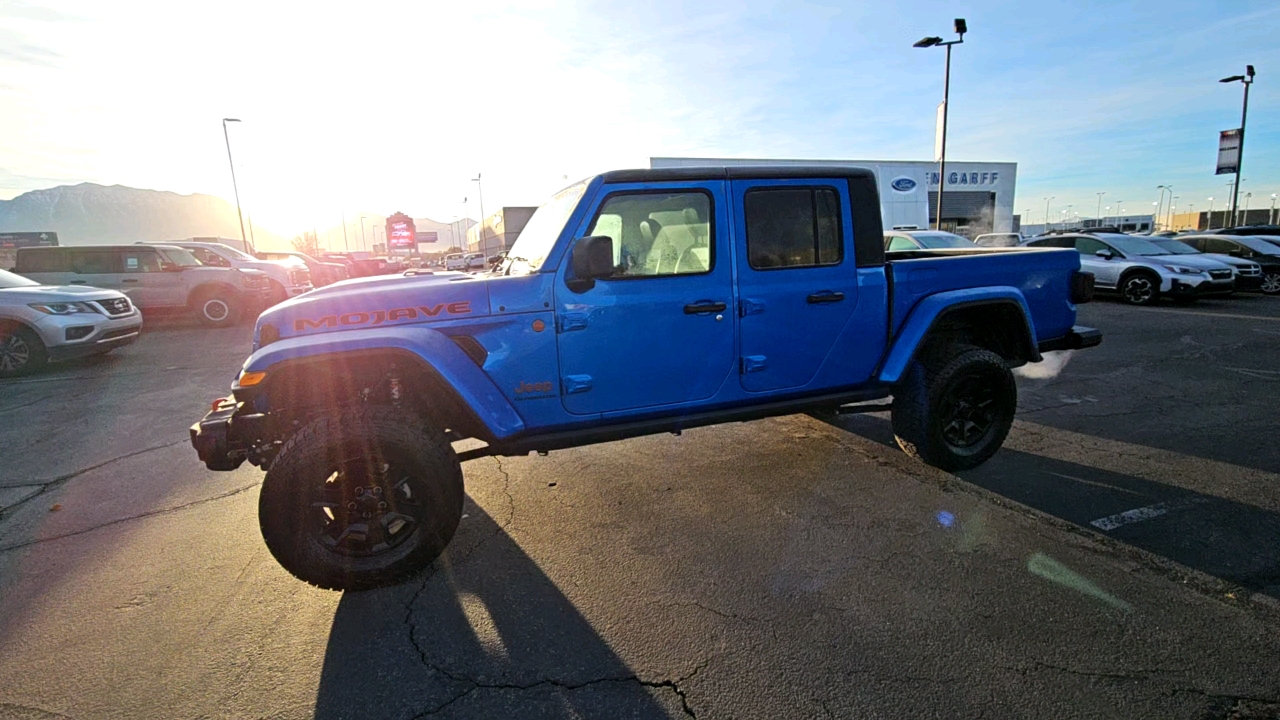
(39, 323)
(288, 279)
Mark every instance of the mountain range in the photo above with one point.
(92, 214)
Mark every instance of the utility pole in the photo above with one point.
(1247, 80)
(345, 246)
(961, 27)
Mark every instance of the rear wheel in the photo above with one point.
(955, 413)
(21, 351)
(217, 309)
(364, 498)
(1140, 289)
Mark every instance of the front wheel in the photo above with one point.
(1140, 289)
(1271, 283)
(217, 309)
(21, 351)
(955, 413)
(361, 499)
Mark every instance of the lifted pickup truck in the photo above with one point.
(634, 302)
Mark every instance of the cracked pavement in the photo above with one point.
(790, 567)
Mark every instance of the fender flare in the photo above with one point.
(922, 318)
(432, 348)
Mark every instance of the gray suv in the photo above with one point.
(1141, 271)
(39, 323)
(154, 277)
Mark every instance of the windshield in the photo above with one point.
(232, 253)
(1175, 247)
(10, 280)
(1135, 246)
(540, 234)
(941, 240)
(180, 257)
(1257, 244)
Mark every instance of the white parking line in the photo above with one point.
(1111, 522)
(1213, 314)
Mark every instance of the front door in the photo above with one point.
(660, 330)
(95, 268)
(1106, 273)
(146, 282)
(796, 277)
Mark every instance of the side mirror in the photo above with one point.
(1105, 254)
(592, 259)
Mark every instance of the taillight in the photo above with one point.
(1081, 287)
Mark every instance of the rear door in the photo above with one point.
(796, 277)
(98, 268)
(660, 330)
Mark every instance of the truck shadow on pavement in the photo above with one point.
(484, 634)
(1232, 541)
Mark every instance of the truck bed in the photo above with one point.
(1041, 275)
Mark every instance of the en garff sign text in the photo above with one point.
(966, 178)
(377, 317)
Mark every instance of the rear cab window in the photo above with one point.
(42, 260)
(793, 227)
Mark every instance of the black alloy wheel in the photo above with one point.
(1139, 290)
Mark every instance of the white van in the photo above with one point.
(476, 261)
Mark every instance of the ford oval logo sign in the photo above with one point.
(903, 184)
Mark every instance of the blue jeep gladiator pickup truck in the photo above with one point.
(634, 302)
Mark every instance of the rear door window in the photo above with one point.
(43, 261)
(1090, 246)
(793, 227)
(140, 261)
(94, 262)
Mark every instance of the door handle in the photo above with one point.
(826, 296)
(704, 307)
(130, 280)
(77, 282)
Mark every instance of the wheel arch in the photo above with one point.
(205, 289)
(436, 376)
(997, 319)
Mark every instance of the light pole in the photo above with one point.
(1068, 212)
(1172, 198)
(484, 236)
(1246, 207)
(1160, 205)
(1119, 220)
(1209, 224)
(1271, 216)
(961, 28)
(1046, 212)
(1247, 80)
(1099, 214)
(363, 243)
(234, 187)
(345, 246)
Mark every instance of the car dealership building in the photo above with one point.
(978, 196)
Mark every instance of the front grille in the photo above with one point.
(1251, 271)
(115, 306)
(1220, 274)
(299, 277)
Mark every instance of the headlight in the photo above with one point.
(1184, 270)
(70, 308)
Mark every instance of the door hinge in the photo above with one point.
(574, 384)
(748, 306)
(568, 322)
(753, 363)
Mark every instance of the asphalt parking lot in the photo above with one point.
(1119, 558)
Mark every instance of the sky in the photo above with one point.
(395, 106)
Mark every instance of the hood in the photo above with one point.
(1196, 261)
(1228, 260)
(51, 293)
(414, 297)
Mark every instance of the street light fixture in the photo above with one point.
(1046, 212)
(1247, 80)
(961, 28)
(234, 187)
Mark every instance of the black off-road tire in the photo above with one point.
(297, 530)
(21, 351)
(1139, 288)
(217, 308)
(922, 422)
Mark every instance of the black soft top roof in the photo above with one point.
(738, 172)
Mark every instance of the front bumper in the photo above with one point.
(108, 333)
(296, 290)
(1249, 283)
(1078, 338)
(222, 439)
(1191, 286)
